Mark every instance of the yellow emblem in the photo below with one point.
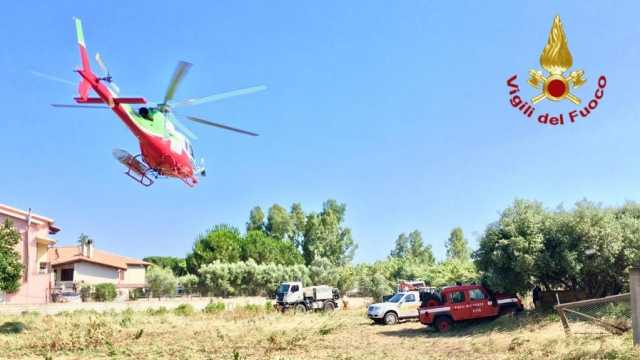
(556, 59)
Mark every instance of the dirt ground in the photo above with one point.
(255, 332)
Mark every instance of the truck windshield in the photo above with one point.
(284, 288)
(396, 298)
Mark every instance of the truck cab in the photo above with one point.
(402, 305)
(290, 292)
(465, 302)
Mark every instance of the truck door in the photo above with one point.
(409, 306)
(460, 309)
(478, 302)
(296, 295)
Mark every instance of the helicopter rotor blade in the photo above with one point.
(52, 78)
(181, 70)
(114, 87)
(101, 64)
(219, 96)
(182, 127)
(226, 127)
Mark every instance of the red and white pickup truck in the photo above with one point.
(464, 302)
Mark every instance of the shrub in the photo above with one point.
(189, 283)
(105, 292)
(184, 310)
(137, 293)
(159, 311)
(127, 317)
(85, 292)
(214, 308)
(268, 306)
(161, 281)
(251, 308)
(12, 327)
(30, 313)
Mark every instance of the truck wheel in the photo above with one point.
(300, 308)
(508, 310)
(328, 306)
(390, 318)
(430, 300)
(443, 324)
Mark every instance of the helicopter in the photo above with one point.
(165, 152)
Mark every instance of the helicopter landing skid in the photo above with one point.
(137, 168)
(146, 178)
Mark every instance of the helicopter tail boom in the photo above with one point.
(84, 55)
(85, 72)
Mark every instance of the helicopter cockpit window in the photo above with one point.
(144, 112)
(190, 149)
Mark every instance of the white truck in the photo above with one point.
(402, 305)
(291, 295)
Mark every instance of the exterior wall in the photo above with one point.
(36, 289)
(135, 275)
(94, 274)
(41, 255)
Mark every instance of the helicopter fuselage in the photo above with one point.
(163, 148)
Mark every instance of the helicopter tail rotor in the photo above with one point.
(106, 74)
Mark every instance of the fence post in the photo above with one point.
(634, 288)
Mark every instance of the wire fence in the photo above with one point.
(611, 314)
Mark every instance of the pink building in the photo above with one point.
(33, 249)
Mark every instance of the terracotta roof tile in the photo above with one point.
(71, 254)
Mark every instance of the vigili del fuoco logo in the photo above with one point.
(555, 86)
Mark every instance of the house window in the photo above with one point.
(120, 274)
(43, 267)
(66, 275)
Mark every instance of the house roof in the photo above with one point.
(71, 254)
(22, 215)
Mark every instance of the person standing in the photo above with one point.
(537, 297)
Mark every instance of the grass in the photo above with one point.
(257, 332)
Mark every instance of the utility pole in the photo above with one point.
(634, 287)
(26, 247)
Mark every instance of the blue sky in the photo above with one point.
(398, 109)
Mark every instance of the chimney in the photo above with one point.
(83, 247)
(90, 248)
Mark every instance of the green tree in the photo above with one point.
(221, 243)
(177, 265)
(322, 272)
(401, 247)
(418, 250)
(256, 220)
(10, 266)
(161, 281)
(189, 283)
(325, 236)
(264, 249)
(298, 224)
(509, 247)
(457, 246)
(588, 248)
(278, 223)
(412, 247)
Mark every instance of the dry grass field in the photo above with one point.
(253, 332)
